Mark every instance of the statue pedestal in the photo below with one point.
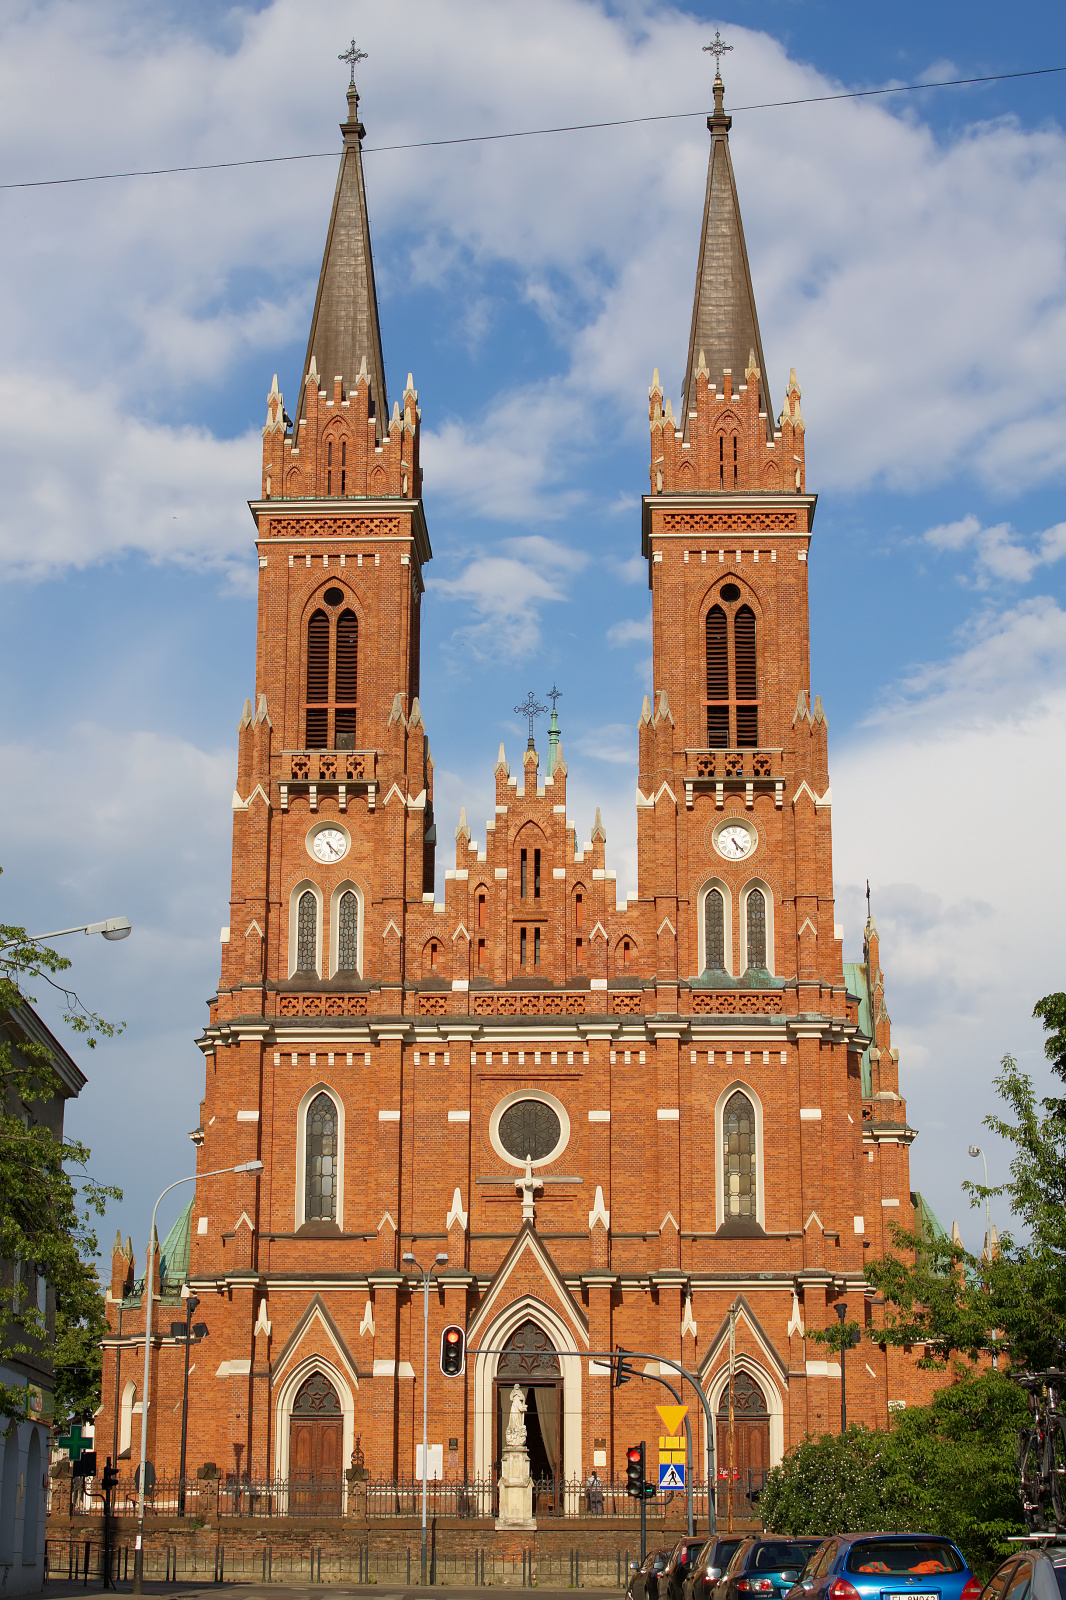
(516, 1490)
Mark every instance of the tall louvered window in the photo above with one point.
(307, 933)
(738, 1142)
(331, 703)
(714, 930)
(317, 681)
(732, 674)
(320, 1187)
(348, 932)
(346, 678)
(756, 928)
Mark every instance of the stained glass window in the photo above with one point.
(529, 1128)
(320, 1189)
(528, 1353)
(348, 933)
(756, 928)
(714, 917)
(306, 932)
(738, 1140)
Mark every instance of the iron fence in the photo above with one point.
(233, 1497)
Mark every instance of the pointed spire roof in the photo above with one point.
(344, 328)
(725, 324)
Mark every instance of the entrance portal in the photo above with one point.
(751, 1443)
(316, 1449)
(530, 1359)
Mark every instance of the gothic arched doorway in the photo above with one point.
(745, 1460)
(316, 1448)
(530, 1359)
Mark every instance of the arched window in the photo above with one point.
(31, 1509)
(331, 701)
(714, 931)
(348, 932)
(307, 933)
(732, 700)
(317, 681)
(8, 1494)
(125, 1417)
(755, 911)
(738, 1146)
(320, 1182)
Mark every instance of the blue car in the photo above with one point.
(887, 1566)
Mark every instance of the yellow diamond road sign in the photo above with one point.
(673, 1417)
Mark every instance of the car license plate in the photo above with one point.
(910, 1594)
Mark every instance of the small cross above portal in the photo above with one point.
(529, 708)
(354, 54)
(718, 49)
(527, 1185)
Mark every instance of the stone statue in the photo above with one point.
(516, 1421)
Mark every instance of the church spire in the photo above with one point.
(344, 327)
(725, 324)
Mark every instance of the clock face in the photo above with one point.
(329, 844)
(734, 842)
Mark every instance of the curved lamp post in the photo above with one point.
(439, 1261)
(138, 1555)
(975, 1151)
(112, 928)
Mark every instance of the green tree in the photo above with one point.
(47, 1199)
(948, 1468)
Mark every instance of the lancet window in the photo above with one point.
(331, 702)
(738, 1146)
(348, 932)
(320, 1185)
(732, 700)
(714, 931)
(307, 932)
(755, 911)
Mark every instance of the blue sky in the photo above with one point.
(908, 258)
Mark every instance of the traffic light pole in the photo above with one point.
(675, 1366)
(643, 1515)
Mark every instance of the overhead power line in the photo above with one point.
(530, 133)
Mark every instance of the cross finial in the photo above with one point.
(718, 49)
(352, 55)
(529, 708)
(555, 695)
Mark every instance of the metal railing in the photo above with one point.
(392, 1498)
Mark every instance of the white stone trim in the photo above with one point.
(286, 1394)
(529, 1094)
(349, 885)
(719, 1152)
(294, 902)
(301, 1150)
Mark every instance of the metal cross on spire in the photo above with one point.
(555, 695)
(529, 708)
(352, 55)
(718, 49)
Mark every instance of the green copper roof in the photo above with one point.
(174, 1253)
(855, 978)
(926, 1225)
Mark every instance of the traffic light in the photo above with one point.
(635, 1471)
(453, 1352)
(622, 1372)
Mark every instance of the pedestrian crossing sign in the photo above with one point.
(671, 1475)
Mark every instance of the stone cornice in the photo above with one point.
(350, 506)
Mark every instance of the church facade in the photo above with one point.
(616, 1120)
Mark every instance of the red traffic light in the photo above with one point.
(634, 1454)
(453, 1352)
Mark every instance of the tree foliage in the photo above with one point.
(948, 1468)
(48, 1201)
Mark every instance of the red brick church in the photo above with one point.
(617, 1120)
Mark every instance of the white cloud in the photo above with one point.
(615, 742)
(86, 482)
(505, 594)
(630, 631)
(999, 552)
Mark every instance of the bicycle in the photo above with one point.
(1041, 1453)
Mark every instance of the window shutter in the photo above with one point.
(317, 680)
(746, 672)
(717, 680)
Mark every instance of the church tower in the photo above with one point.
(611, 1123)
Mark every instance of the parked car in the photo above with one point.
(887, 1566)
(767, 1567)
(683, 1558)
(644, 1580)
(1030, 1574)
(704, 1574)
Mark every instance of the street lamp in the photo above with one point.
(975, 1150)
(138, 1554)
(841, 1309)
(112, 928)
(440, 1260)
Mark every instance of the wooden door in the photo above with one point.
(316, 1443)
(751, 1442)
